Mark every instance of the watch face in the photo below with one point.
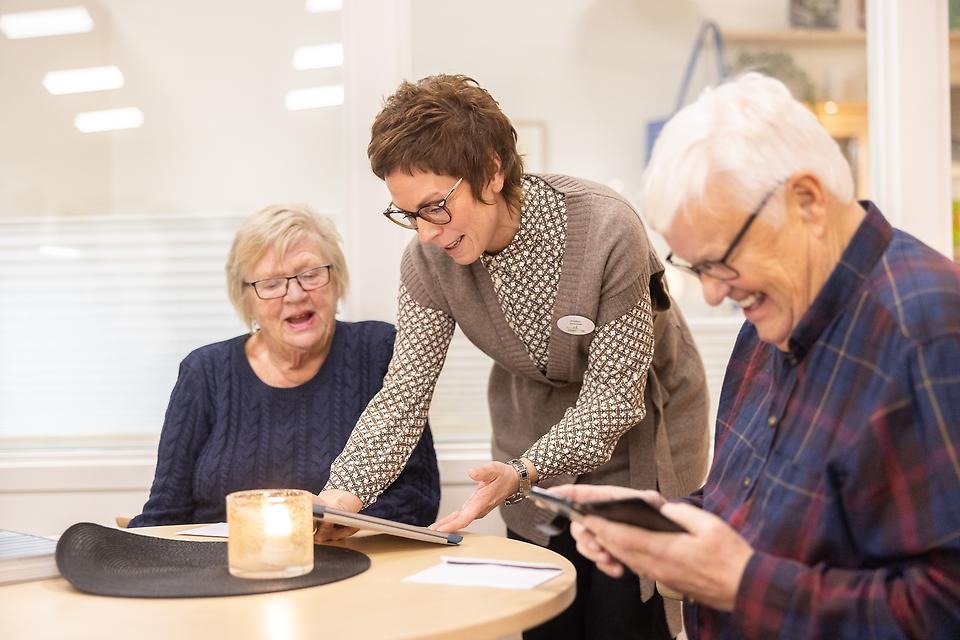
(521, 471)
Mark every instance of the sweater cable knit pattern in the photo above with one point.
(226, 430)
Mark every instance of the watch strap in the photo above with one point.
(523, 487)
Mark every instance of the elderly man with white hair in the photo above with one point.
(832, 508)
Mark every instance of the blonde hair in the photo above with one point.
(277, 227)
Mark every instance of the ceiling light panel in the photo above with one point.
(323, 6)
(108, 120)
(320, 56)
(54, 22)
(314, 97)
(82, 80)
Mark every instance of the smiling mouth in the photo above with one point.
(750, 301)
(453, 245)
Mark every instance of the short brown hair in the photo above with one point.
(277, 227)
(447, 125)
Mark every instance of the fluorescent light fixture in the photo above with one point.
(323, 6)
(320, 56)
(314, 97)
(58, 251)
(55, 22)
(82, 80)
(108, 120)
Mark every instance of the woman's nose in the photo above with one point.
(294, 290)
(427, 231)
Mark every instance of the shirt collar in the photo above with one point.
(523, 236)
(857, 261)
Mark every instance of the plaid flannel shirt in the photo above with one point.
(839, 461)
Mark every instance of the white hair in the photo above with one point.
(748, 133)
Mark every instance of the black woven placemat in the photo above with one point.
(111, 562)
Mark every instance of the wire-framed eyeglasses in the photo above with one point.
(432, 212)
(270, 288)
(719, 269)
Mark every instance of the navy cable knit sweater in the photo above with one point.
(226, 430)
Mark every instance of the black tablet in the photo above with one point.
(634, 511)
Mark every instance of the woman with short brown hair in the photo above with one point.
(553, 277)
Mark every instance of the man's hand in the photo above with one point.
(496, 481)
(338, 499)
(705, 564)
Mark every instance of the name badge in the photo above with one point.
(576, 325)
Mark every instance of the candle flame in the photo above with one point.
(276, 520)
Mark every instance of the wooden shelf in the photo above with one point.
(796, 37)
(805, 37)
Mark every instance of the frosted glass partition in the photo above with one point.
(97, 313)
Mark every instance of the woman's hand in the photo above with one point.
(496, 481)
(338, 499)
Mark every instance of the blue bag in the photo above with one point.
(707, 29)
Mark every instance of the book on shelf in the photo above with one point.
(24, 556)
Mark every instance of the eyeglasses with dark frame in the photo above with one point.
(432, 212)
(271, 288)
(719, 269)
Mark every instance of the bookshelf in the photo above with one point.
(795, 37)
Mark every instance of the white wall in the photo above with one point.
(910, 126)
(593, 72)
(236, 73)
(376, 36)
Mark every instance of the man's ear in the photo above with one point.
(806, 199)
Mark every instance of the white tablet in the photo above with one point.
(363, 521)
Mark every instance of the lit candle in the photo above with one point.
(270, 533)
(277, 533)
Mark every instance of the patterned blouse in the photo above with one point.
(525, 276)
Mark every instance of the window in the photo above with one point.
(97, 313)
(121, 188)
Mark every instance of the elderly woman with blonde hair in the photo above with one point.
(274, 407)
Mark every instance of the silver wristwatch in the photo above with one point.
(524, 478)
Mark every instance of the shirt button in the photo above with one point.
(746, 481)
(772, 420)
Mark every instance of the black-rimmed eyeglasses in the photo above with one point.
(270, 288)
(719, 269)
(432, 212)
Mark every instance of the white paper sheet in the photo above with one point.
(217, 530)
(486, 572)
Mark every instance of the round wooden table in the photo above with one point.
(373, 605)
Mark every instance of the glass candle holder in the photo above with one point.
(270, 533)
